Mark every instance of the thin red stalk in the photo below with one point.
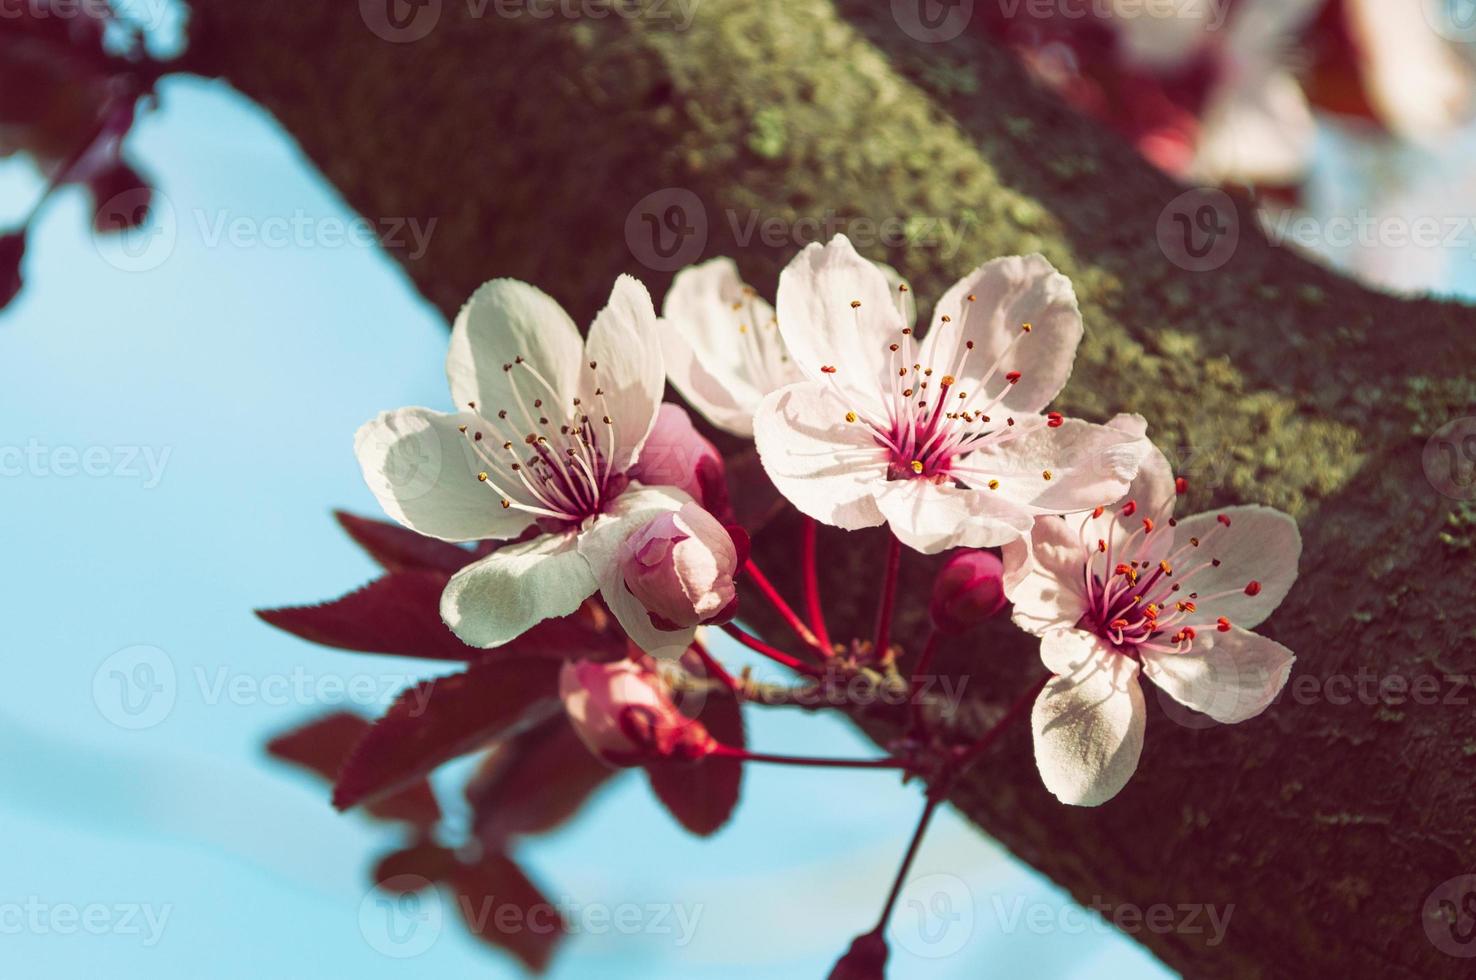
(713, 667)
(773, 653)
(812, 588)
(1023, 702)
(924, 661)
(912, 848)
(888, 597)
(777, 601)
(729, 752)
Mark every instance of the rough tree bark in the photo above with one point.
(1327, 822)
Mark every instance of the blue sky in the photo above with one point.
(177, 423)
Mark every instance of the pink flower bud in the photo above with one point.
(624, 712)
(968, 590)
(680, 567)
(675, 454)
(12, 250)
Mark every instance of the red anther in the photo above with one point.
(1187, 632)
(1181, 485)
(1097, 511)
(1123, 569)
(1253, 587)
(1118, 624)
(1054, 420)
(1012, 377)
(1223, 519)
(1148, 525)
(827, 369)
(1101, 544)
(1130, 508)
(1222, 624)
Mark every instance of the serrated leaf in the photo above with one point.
(399, 614)
(324, 745)
(400, 549)
(533, 783)
(502, 907)
(440, 719)
(702, 795)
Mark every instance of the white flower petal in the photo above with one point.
(506, 319)
(819, 323)
(1089, 465)
(635, 619)
(1008, 293)
(722, 345)
(830, 469)
(626, 345)
(1088, 721)
(601, 537)
(423, 472)
(1044, 576)
(498, 598)
(1261, 544)
(931, 518)
(1229, 676)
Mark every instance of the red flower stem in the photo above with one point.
(924, 661)
(812, 588)
(1023, 702)
(713, 667)
(912, 848)
(773, 653)
(888, 597)
(730, 752)
(783, 608)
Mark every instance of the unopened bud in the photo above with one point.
(968, 590)
(680, 566)
(624, 712)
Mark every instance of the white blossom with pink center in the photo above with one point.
(945, 440)
(1133, 588)
(548, 440)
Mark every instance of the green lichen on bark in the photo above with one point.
(1272, 380)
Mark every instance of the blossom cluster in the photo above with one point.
(563, 448)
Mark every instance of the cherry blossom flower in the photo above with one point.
(1132, 588)
(947, 440)
(724, 351)
(625, 714)
(547, 441)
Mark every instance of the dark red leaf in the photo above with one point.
(702, 795)
(12, 251)
(865, 960)
(503, 908)
(400, 549)
(533, 783)
(323, 746)
(413, 868)
(398, 614)
(443, 718)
